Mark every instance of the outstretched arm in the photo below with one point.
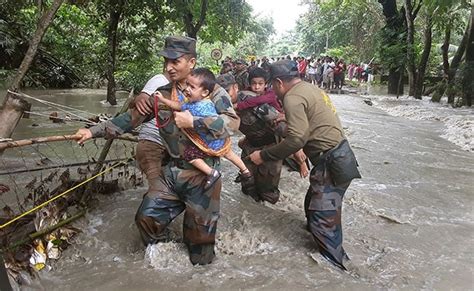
(268, 97)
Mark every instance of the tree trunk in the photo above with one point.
(41, 28)
(394, 25)
(411, 68)
(455, 65)
(395, 87)
(191, 28)
(420, 76)
(445, 49)
(114, 19)
(468, 86)
(11, 114)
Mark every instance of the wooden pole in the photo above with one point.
(103, 154)
(44, 139)
(108, 144)
(25, 142)
(47, 230)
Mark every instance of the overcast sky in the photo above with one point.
(284, 12)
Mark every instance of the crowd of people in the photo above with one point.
(326, 72)
(187, 115)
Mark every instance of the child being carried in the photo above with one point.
(200, 83)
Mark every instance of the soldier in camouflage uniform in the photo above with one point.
(241, 74)
(260, 130)
(314, 126)
(180, 187)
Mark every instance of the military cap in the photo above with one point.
(177, 46)
(283, 68)
(240, 62)
(225, 80)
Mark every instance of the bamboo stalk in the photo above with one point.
(24, 142)
(108, 144)
(104, 153)
(46, 230)
(35, 140)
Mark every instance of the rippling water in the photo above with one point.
(408, 224)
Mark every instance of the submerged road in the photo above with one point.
(408, 224)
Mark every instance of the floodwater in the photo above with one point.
(408, 223)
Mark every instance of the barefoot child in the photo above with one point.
(200, 83)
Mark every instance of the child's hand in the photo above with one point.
(300, 156)
(280, 117)
(304, 171)
(159, 96)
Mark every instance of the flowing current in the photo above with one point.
(408, 223)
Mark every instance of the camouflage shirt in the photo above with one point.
(258, 123)
(175, 139)
(242, 79)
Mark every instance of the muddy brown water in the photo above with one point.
(408, 223)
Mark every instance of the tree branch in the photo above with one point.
(417, 9)
(202, 17)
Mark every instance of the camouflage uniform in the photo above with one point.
(242, 76)
(180, 187)
(323, 209)
(260, 132)
(314, 126)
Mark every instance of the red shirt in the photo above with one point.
(268, 97)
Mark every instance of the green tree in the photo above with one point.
(211, 20)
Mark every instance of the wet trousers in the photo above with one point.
(323, 209)
(149, 156)
(266, 175)
(178, 188)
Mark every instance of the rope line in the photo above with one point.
(55, 105)
(49, 102)
(60, 118)
(60, 195)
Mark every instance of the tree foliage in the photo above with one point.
(77, 38)
(342, 25)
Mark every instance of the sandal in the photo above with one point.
(211, 179)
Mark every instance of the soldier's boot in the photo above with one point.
(248, 186)
(201, 254)
(271, 197)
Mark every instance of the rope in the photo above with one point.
(55, 105)
(60, 195)
(158, 124)
(49, 102)
(174, 97)
(60, 118)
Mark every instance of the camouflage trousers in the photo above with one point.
(149, 156)
(266, 175)
(323, 208)
(178, 188)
